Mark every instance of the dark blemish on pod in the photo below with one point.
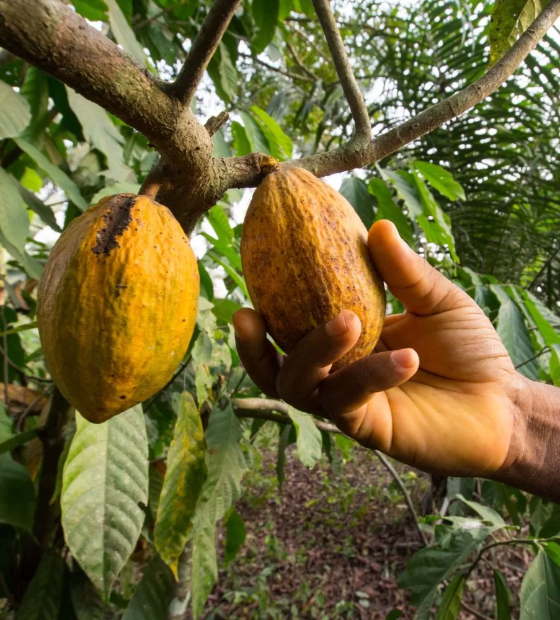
(117, 219)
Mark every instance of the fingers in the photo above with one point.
(353, 386)
(259, 357)
(420, 287)
(310, 361)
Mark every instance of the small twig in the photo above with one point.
(204, 45)
(541, 352)
(395, 475)
(475, 612)
(362, 133)
(28, 410)
(501, 543)
(290, 74)
(299, 62)
(214, 123)
(138, 26)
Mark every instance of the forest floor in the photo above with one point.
(331, 543)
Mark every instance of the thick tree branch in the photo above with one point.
(347, 158)
(362, 132)
(205, 44)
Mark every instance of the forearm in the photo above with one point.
(533, 462)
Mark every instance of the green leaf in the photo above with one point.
(239, 280)
(484, 511)
(154, 592)
(39, 207)
(14, 221)
(17, 494)
(235, 535)
(540, 590)
(502, 596)
(42, 597)
(202, 354)
(16, 440)
(14, 112)
(100, 131)
(226, 466)
(394, 614)
(434, 221)
(95, 10)
(30, 264)
(309, 441)
(265, 14)
(550, 335)
(281, 145)
(257, 140)
(204, 567)
(406, 189)
(450, 605)
(220, 223)
(123, 32)
(115, 188)
(507, 24)
(224, 309)
(229, 78)
(357, 194)
(387, 209)
(513, 332)
(441, 180)
(54, 172)
(105, 480)
(185, 475)
(87, 603)
(431, 565)
(241, 143)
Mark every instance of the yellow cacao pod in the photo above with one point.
(117, 304)
(305, 258)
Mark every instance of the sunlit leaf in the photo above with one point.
(309, 441)
(123, 32)
(226, 466)
(540, 590)
(185, 475)
(204, 567)
(14, 221)
(280, 144)
(14, 112)
(441, 180)
(265, 14)
(105, 481)
(54, 172)
(450, 605)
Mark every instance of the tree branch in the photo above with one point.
(362, 132)
(346, 157)
(205, 44)
(263, 408)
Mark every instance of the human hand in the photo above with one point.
(438, 393)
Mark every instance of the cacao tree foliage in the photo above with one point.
(479, 197)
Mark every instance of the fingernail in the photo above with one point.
(403, 358)
(337, 326)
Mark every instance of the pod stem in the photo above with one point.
(151, 186)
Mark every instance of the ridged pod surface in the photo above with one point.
(305, 258)
(117, 304)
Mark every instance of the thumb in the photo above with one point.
(413, 281)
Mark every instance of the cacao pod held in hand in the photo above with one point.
(305, 258)
(117, 304)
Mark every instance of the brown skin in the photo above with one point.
(440, 392)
